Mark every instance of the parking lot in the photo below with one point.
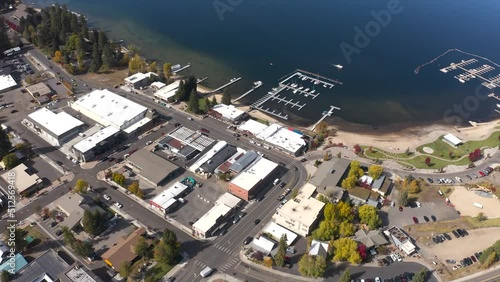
(464, 202)
(44, 170)
(458, 248)
(438, 208)
(120, 228)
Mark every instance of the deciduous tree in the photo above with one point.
(369, 215)
(167, 70)
(133, 187)
(5, 145)
(346, 249)
(428, 161)
(141, 248)
(81, 186)
(312, 266)
(403, 199)
(375, 171)
(349, 182)
(125, 269)
(153, 67)
(346, 229)
(10, 161)
(421, 276)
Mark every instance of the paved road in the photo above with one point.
(220, 253)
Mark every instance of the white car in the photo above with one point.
(106, 197)
(458, 179)
(377, 279)
(118, 205)
(149, 143)
(418, 205)
(190, 118)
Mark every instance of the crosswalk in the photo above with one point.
(227, 265)
(225, 249)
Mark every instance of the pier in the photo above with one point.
(234, 80)
(327, 114)
(286, 101)
(469, 74)
(257, 84)
(200, 80)
(271, 94)
(181, 69)
(274, 113)
(492, 95)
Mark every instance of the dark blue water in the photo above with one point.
(379, 84)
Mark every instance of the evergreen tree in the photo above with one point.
(214, 102)
(102, 39)
(207, 105)
(5, 145)
(169, 237)
(193, 105)
(403, 199)
(107, 58)
(96, 63)
(226, 97)
(279, 258)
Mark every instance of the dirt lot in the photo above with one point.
(105, 80)
(464, 202)
(458, 248)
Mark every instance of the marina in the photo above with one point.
(299, 82)
(325, 114)
(233, 80)
(472, 73)
(256, 85)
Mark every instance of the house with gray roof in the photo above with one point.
(318, 248)
(46, 267)
(328, 177)
(220, 157)
(372, 238)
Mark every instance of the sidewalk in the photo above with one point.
(223, 278)
(292, 277)
(100, 176)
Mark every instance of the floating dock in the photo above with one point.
(233, 80)
(257, 84)
(327, 114)
(493, 95)
(469, 74)
(286, 101)
(200, 80)
(181, 69)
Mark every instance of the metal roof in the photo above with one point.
(244, 161)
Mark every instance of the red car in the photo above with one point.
(400, 208)
(205, 130)
(415, 220)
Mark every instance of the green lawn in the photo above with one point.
(419, 162)
(202, 104)
(442, 149)
(379, 153)
(158, 271)
(36, 234)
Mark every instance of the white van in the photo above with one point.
(276, 181)
(206, 271)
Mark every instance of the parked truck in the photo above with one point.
(478, 205)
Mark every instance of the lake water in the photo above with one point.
(379, 85)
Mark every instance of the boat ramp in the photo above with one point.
(233, 80)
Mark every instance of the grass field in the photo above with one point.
(442, 149)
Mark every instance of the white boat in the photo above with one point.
(257, 83)
(312, 92)
(274, 89)
(295, 92)
(302, 87)
(339, 66)
(304, 78)
(307, 89)
(317, 82)
(324, 85)
(498, 105)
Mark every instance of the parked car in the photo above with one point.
(456, 234)
(257, 221)
(236, 219)
(149, 143)
(53, 224)
(247, 240)
(430, 180)
(204, 130)
(118, 205)
(473, 258)
(447, 236)
(190, 118)
(106, 197)
(58, 232)
(433, 218)
(426, 218)
(282, 184)
(415, 220)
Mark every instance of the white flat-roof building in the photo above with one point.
(400, 239)
(287, 140)
(227, 113)
(26, 181)
(253, 127)
(263, 245)
(452, 140)
(157, 85)
(301, 214)
(163, 94)
(110, 109)
(208, 155)
(248, 183)
(139, 79)
(7, 82)
(277, 231)
(275, 135)
(208, 224)
(56, 128)
(84, 149)
(168, 198)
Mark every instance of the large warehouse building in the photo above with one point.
(110, 109)
(250, 182)
(56, 128)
